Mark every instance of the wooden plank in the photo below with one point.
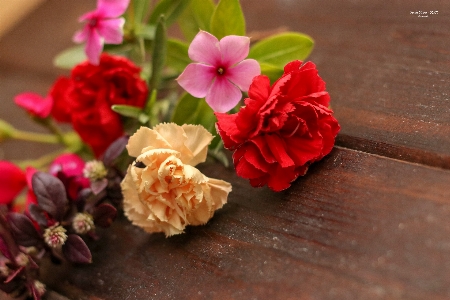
(387, 70)
(34, 42)
(12, 12)
(358, 226)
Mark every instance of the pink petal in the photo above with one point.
(243, 73)
(81, 35)
(111, 30)
(69, 164)
(12, 181)
(94, 46)
(196, 79)
(29, 172)
(35, 104)
(112, 8)
(223, 95)
(205, 49)
(89, 16)
(234, 49)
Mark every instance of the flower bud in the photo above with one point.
(4, 271)
(94, 170)
(22, 259)
(39, 287)
(55, 235)
(83, 223)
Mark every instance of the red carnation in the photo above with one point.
(281, 129)
(85, 99)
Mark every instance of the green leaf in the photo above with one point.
(191, 110)
(159, 53)
(227, 19)
(280, 49)
(140, 9)
(127, 110)
(131, 112)
(145, 31)
(70, 57)
(171, 9)
(195, 17)
(271, 71)
(177, 55)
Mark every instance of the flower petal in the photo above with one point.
(12, 181)
(278, 148)
(81, 35)
(198, 139)
(223, 95)
(196, 79)
(94, 46)
(35, 104)
(234, 49)
(111, 30)
(243, 73)
(143, 138)
(204, 48)
(112, 8)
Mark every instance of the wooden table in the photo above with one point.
(370, 221)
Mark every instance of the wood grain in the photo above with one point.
(387, 71)
(358, 226)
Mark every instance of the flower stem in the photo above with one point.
(42, 161)
(35, 137)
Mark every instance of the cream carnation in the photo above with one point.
(163, 191)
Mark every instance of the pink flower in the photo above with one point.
(35, 104)
(69, 169)
(103, 25)
(220, 72)
(69, 164)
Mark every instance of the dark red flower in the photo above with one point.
(281, 129)
(60, 93)
(90, 92)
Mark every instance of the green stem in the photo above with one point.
(57, 131)
(35, 137)
(42, 161)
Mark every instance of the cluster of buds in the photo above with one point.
(95, 170)
(55, 236)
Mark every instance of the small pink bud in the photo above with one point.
(83, 223)
(55, 235)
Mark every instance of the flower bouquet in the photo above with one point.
(144, 110)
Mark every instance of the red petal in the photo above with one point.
(264, 149)
(12, 181)
(228, 131)
(260, 88)
(246, 170)
(278, 148)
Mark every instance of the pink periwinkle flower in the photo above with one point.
(103, 25)
(35, 104)
(220, 71)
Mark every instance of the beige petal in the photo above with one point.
(198, 140)
(145, 137)
(219, 191)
